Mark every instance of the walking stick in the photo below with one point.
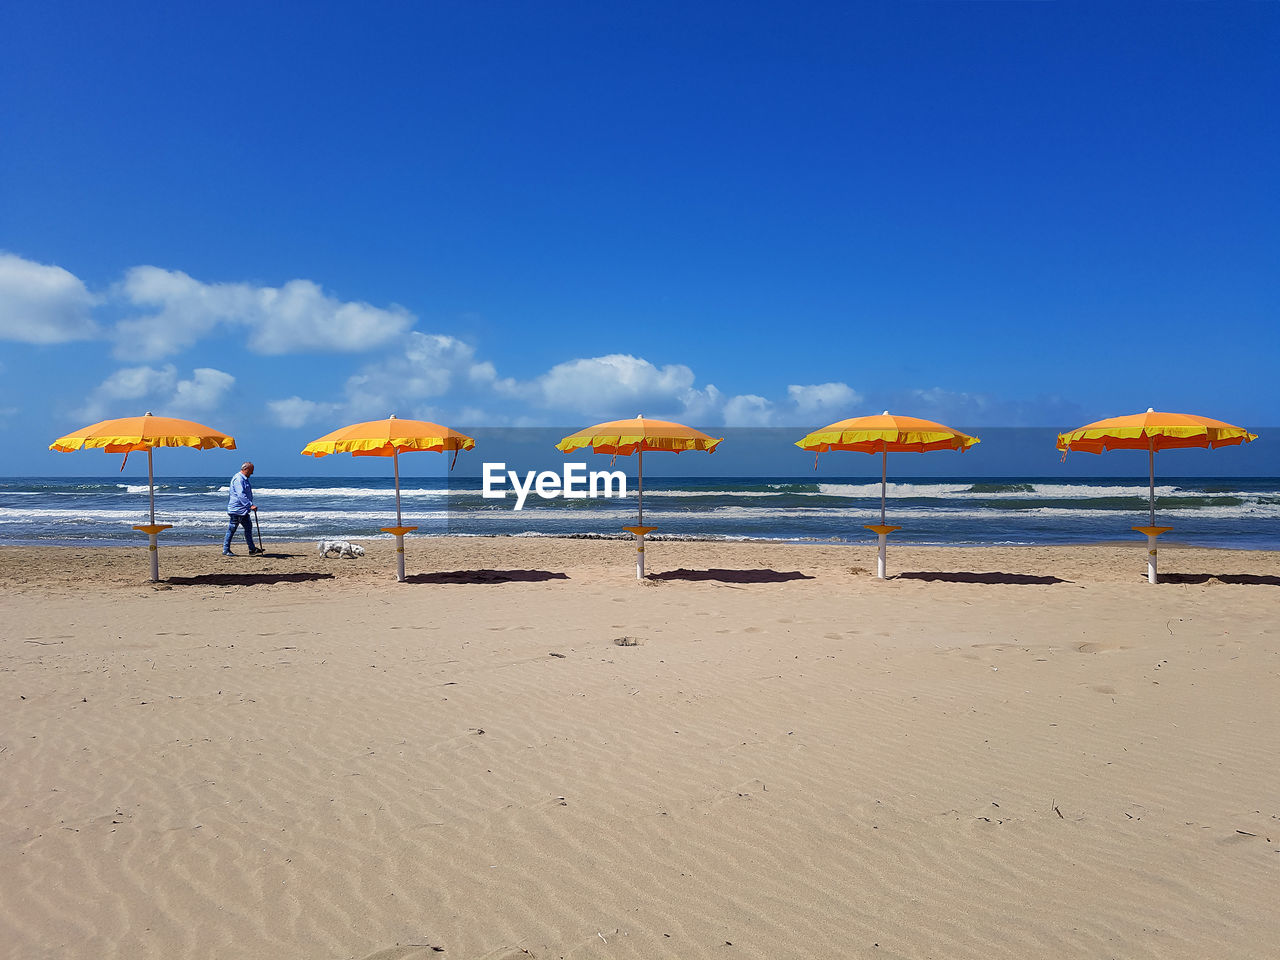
(261, 548)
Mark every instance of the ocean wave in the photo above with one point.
(1255, 511)
(709, 493)
(294, 518)
(1226, 511)
(353, 493)
(694, 537)
(588, 511)
(174, 489)
(1045, 491)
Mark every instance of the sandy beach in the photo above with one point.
(763, 751)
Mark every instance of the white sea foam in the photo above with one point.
(350, 493)
(951, 511)
(383, 513)
(709, 493)
(1075, 491)
(868, 490)
(1261, 511)
(1038, 491)
(298, 518)
(134, 487)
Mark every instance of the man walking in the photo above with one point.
(239, 507)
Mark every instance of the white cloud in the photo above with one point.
(158, 389)
(204, 391)
(430, 366)
(617, 385)
(433, 361)
(703, 406)
(130, 383)
(823, 397)
(441, 368)
(43, 304)
(297, 317)
(297, 412)
(439, 377)
(748, 410)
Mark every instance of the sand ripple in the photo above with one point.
(778, 767)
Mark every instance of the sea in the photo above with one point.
(1212, 512)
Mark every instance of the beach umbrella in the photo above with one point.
(145, 433)
(389, 438)
(625, 437)
(885, 434)
(1153, 431)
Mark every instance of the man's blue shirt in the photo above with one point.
(241, 494)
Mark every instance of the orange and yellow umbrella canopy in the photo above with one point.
(143, 433)
(622, 438)
(625, 437)
(390, 438)
(885, 434)
(1152, 431)
(637, 435)
(129, 434)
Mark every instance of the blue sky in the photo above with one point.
(280, 218)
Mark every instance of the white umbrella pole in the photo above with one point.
(640, 516)
(395, 457)
(151, 486)
(1152, 575)
(1151, 465)
(881, 557)
(152, 545)
(1151, 530)
(884, 474)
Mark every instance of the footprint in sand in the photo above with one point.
(1091, 647)
(409, 952)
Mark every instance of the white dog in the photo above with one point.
(340, 548)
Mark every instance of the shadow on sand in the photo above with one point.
(244, 579)
(978, 577)
(486, 576)
(1246, 578)
(732, 576)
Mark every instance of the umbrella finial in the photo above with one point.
(147, 414)
(1151, 409)
(885, 414)
(391, 417)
